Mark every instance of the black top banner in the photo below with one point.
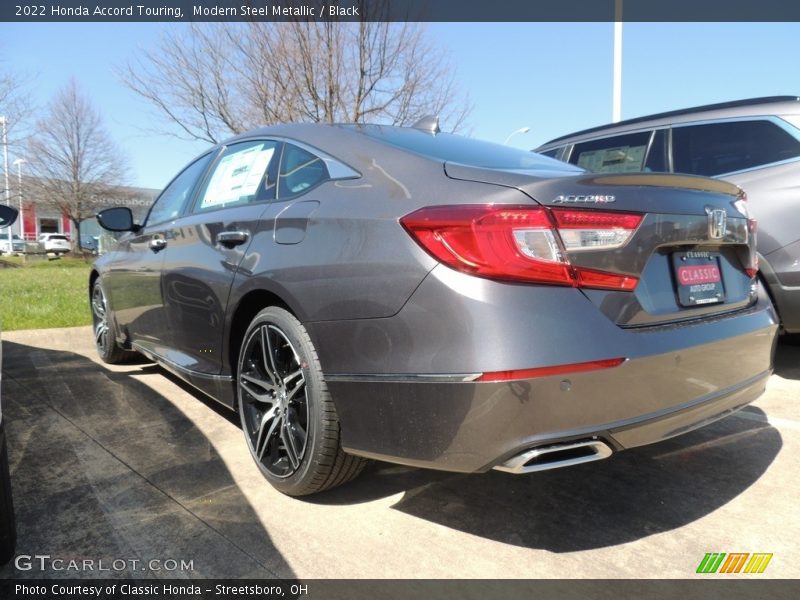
(400, 10)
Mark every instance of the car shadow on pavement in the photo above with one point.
(787, 357)
(104, 468)
(629, 496)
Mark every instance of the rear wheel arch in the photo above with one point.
(288, 418)
(248, 307)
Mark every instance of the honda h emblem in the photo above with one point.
(717, 224)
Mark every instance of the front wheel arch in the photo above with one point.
(104, 329)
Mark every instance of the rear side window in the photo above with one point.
(618, 154)
(300, 170)
(717, 148)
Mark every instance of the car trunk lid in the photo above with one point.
(693, 252)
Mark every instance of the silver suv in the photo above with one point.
(753, 143)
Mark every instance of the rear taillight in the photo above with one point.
(523, 243)
(751, 268)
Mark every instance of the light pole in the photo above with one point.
(616, 110)
(5, 171)
(18, 163)
(513, 133)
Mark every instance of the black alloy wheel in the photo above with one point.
(288, 418)
(105, 338)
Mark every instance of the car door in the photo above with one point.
(133, 282)
(206, 248)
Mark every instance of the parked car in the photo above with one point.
(8, 529)
(752, 143)
(17, 244)
(57, 243)
(423, 298)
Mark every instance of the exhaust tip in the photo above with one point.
(556, 456)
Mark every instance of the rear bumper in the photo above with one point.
(676, 378)
(470, 427)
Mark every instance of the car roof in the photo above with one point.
(768, 105)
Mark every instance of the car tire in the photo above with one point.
(105, 333)
(8, 530)
(287, 415)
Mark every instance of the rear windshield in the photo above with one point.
(58, 237)
(466, 151)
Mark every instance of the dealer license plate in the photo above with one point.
(698, 278)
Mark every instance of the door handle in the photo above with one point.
(157, 244)
(232, 238)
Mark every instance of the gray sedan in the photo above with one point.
(418, 297)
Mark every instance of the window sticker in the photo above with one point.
(622, 159)
(237, 175)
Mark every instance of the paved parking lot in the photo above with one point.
(127, 463)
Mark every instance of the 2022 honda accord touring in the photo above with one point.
(408, 295)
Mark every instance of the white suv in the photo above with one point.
(55, 242)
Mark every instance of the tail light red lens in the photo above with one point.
(522, 243)
(594, 365)
(752, 267)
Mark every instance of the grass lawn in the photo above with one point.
(43, 294)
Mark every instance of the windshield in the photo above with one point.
(463, 150)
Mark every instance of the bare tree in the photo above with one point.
(72, 158)
(16, 106)
(217, 79)
(15, 103)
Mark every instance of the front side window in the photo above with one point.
(170, 203)
(618, 154)
(300, 171)
(717, 148)
(241, 176)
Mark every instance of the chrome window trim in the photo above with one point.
(336, 168)
(782, 123)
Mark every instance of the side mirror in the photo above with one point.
(7, 215)
(119, 218)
